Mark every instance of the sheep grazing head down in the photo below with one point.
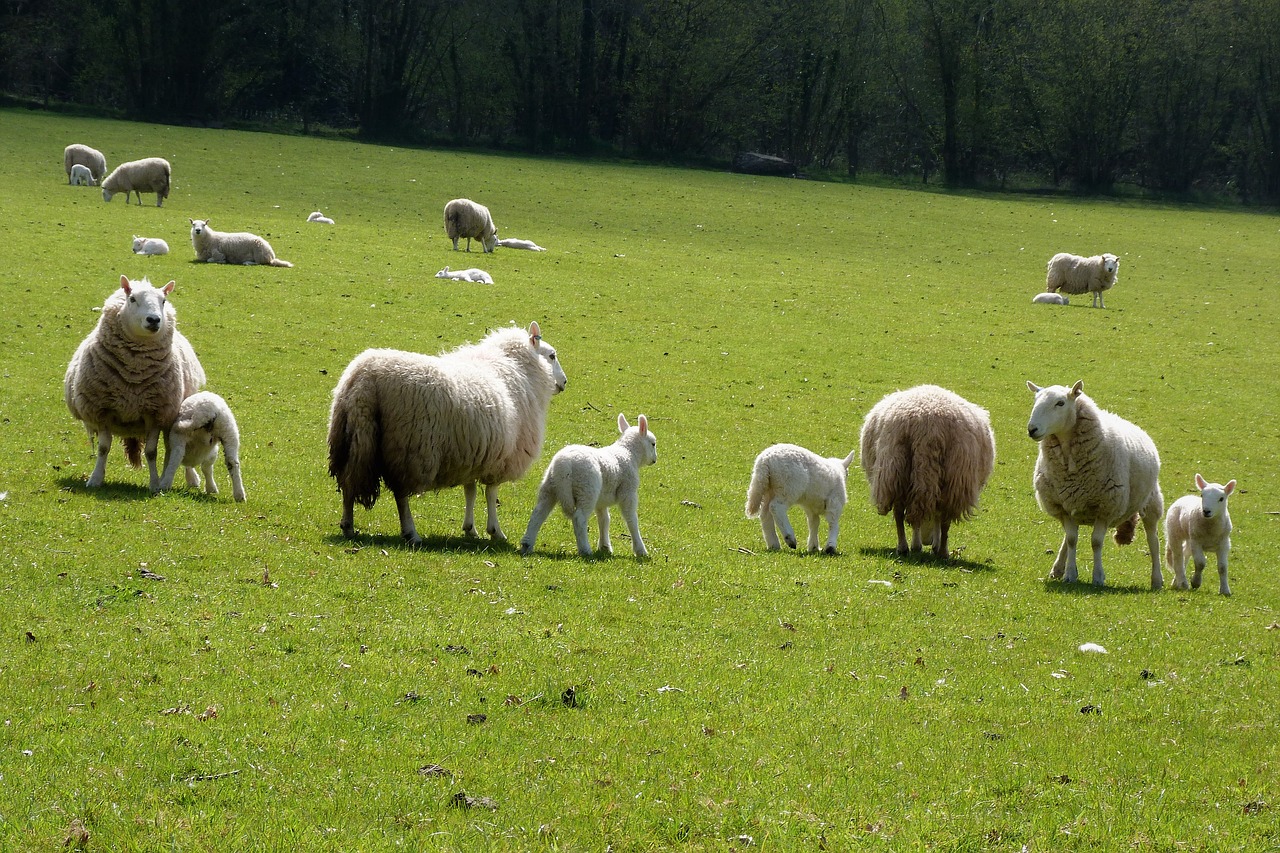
(1054, 410)
(146, 310)
(1110, 263)
(1213, 496)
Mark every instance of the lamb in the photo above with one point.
(514, 243)
(204, 421)
(927, 454)
(1094, 468)
(786, 474)
(81, 176)
(1195, 525)
(131, 374)
(1073, 274)
(239, 247)
(1051, 299)
(149, 246)
(477, 275)
(90, 158)
(151, 175)
(317, 216)
(476, 414)
(582, 480)
(464, 218)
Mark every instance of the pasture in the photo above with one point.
(185, 672)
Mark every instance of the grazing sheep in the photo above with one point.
(131, 374)
(786, 474)
(83, 155)
(149, 246)
(464, 218)
(421, 423)
(582, 480)
(1094, 468)
(204, 421)
(513, 243)
(1195, 525)
(139, 176)
(927, 454)
(239, 247)
(477, 275)
(81, 176)
(317, 216)
(1051, 299)
(1073, 274)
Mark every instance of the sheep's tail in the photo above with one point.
(755, 492)
(1124, 533)
(133, 451)
(276, 262)
(355, 443)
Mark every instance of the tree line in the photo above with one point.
(1171, 95)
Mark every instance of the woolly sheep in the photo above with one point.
(583, 480)
(464, 218)
(151, 175)
(1094, 468)
(1051, 299)
(418, 423)
(514, 243)
(786, 474)
(1195, 525)
(204, 422)
(239, 247)
(477, 275)
(317, 216)
(81, 176)
(90, 158)
(149, 246)
(927, 454)
(1073, 274)
(130, 375)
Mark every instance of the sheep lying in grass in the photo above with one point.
(149, 246)
(1195, 525)
(514, 243)
(204, 422)
(1073, 274)
(1094, 468)
(464, 218)
(81, 176)
(477, 275)
(583, 480)
(317, 216)
(1051, 299)
(786, 474)
(239, 247)
(82, 155)
(151, 175)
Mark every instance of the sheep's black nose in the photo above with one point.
(1031, 431)
(153, 322)
(1207, 513)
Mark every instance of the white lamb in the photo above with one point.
(1073, 274)
(1094, 468)
(1195, 525)
(787, 474)
(317, 216)
(204, 422)
(91, 158)
(477, 275)
(149, 246)
(151, 175)
(582, 480)
(238, 247)
(465, 218)
(1051, 299)
(81, 176)
(514, 243)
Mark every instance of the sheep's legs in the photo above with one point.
(469, 515)
(193, 479)
(347, 524)
(814, 521)
(899, 518)
(581, 536)
(778, 509)
(1096, 540)
(175, 447)
(151, 450)
(100, 469)
(491, 510)
(770, 533)
(542, 509)
(210, 486)
(1065, 565)
(940, 534)
(407, 528)
(1177, 557)
(1151, 524)
(917, 539)
(231, 456)
(631, 512)
(1224, 548)
(833, 530)
(602, 519)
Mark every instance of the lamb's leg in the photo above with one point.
(542, 509)
(580, 535)
(491, 508)
(210, 486)
(1198, 560)
(469, 515)
(100, 469)
(770, 532)
(814, 520)
(407, 529)
(602, 519)
(193, 478)
(231, 456)
(1065, 565)
(1096, 539)
(1176, 553)
(151, 450)
(631, 512)
(778, 509)
(1151, 524)
(175, 446)
(1224, 548)
(899, 518)
(833, 530)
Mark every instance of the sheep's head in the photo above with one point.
(1110, 263)
(137, 243)
(640, 437)
(146, 311)
(548, 352)
(1054, 410)
(106, 194)
(1213, 496)
(444, 273)
(198, 227)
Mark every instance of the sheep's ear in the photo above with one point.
(192, 221)
(622, 422)
(1200, 483)
(168, 288)
(1077, 389)
(644, 425)
(1035, 389)
(124, 283)
(1229, 487)
(848, 460)
(535, 333)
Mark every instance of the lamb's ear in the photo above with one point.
(124, 283)
(1200, 483)
(1035, 389)
(192, 221)
(1077, 389)
(848, 460)
(644, 425)
(168, 288)
(1229, 487)
(535, 334)
(623, 426)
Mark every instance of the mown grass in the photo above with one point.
(284, 687)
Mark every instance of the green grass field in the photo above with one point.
(283, 688)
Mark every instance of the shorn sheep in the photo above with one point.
(131, 374)
(476, 275)
(464, 218)
(785, 475)
(1073, 274)
(583, 480)
(204, 422)
(83, 155)
(1094, 468)
(418, 423)
(149, 246)
(515, 243)
(81, 176)
(927, 454)
(1195, 525)
(151, 175)
(1051, 299)
(239, 247)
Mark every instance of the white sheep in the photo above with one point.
(514, 243)
(418, 423)
(1195, 525)
(151, 175)
(1073, 274)
(583, 480)
(204, 421)
(785, 475)
(83, 155)
(465, 218)
(238, 247)
(1051, 299)
(81, 176)
(1094, 468)
(476, 275)
(149, 246)
(317, 216)
(130, 375)
(927, 454)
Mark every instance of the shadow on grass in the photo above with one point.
(926, 558)
(1084, 587)
(108, 491)
(443, 544)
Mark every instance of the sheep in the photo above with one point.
(1094, 468)
(927, 453)
(418, 423)
(1051, 299)
(464, 218)
(514, 243)
(204, 421)
(1195, 525)
(786, 474)
(149, 246)
(130, 375)
(582, 480)
(1074, 274)
(317, 216)
(477, 275)
(151, 175)
(239, 247)
(81, 176)
(90, 158)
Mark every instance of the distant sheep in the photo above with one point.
(583, 480)
(927, 454)
(1073, 274)
(83, 155)
(151, 175)
(81, 176)
(204, 422)
(1051, 299)
(513, 243)
(239, 247)
(1195, 525)
(477, 275)
(1094, 468)
(149, 246)
(421, 423)
(785, 475)
(464, 218)
(317, 216)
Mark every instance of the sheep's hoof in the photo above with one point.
(526, 548)
(791, 542)
(348, 530)
(830, 550)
